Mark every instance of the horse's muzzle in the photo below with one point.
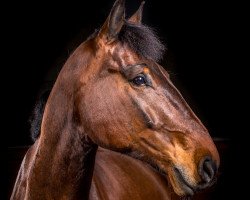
(207, 170)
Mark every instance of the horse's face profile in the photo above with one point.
(126, 102)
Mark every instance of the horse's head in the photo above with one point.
(126, 102)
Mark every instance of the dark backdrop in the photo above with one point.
(201, 57)
(204, 41)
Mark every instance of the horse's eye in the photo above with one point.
(139, 80)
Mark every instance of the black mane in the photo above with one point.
(37, 115)
(143, 40)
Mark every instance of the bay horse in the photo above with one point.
(115, 126)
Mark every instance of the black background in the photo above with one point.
(204, 58)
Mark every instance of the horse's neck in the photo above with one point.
(60, 170)
(62, 160)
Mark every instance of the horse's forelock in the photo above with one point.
(143, 40)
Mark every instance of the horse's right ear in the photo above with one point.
(114, 22)
(137, 16)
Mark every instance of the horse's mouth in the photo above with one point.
(187, 189)
(184, 188)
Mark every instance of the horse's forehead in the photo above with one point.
(122, 54)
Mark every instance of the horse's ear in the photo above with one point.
(137, 16)
(114, 22)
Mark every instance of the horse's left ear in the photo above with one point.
(114, 22)
(137, 16)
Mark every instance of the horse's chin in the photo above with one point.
(180, 186)
(177, 181)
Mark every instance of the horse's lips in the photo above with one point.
(183, 184)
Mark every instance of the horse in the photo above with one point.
(115, 126)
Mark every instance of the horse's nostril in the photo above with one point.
(207, 169)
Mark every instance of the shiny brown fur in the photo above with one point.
(96, 102)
